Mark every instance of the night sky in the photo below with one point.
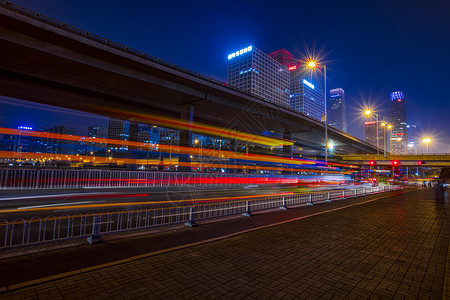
(372, 47)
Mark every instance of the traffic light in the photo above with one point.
(420, 162)
(372, 163)
(395, 163)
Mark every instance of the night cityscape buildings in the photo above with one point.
(253, 71)
(337, 113)
(122, 130)
(370, 133)
(397, 118)
(305, 90)
(413, 138)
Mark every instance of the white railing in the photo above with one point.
(19, 179)
(37, 230)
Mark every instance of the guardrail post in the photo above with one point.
(283, 206)
(95, 238)
(247, 212)
(364, 192)
(191, 222)
(329, 197)
(343, 194)
(310, 202)
(356, 193)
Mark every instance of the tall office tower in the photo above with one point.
(370, 134)
(413, 139)
(169, 136)
(337, 115)
(96, 131)
(253, 71)
(397, 117)
(148, 134)
(122, 130)
(62, 146)
(306, 93)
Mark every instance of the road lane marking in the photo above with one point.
(54, 196)
(54, 204)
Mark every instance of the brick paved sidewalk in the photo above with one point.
(391, 248)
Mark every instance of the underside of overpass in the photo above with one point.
(49, 62)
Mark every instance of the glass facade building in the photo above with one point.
(253, 71)
(306, 93)
(413, 139)
(337, 116)
(370, 133)
(397, 117)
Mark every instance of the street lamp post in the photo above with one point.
(313, 64)
(389, 127)
(368, 112)
(426, 141)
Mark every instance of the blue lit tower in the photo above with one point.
(337, 116)
(253, 71)
(397, 117)
(306, 93)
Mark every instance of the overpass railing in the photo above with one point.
(38, 230)
(21, 179)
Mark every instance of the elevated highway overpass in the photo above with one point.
(50, 62)
(414, 160)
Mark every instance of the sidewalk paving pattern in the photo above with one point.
(396, 247)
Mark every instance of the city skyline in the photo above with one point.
(365, 70)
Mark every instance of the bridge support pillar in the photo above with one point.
(186, 114)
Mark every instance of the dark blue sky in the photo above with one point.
(373, 47)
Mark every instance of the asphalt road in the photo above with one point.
(29, 204)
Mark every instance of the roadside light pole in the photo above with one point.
(312, 64)
(427, 141)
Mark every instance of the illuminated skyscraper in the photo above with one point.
(253, 71)
(122, 130)
(370, 133)
(337, 115)
(397, 118)
(413, 139)
(306, 93)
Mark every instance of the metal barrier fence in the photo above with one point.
(21, 232)
(17, 179)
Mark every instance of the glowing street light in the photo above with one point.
(311, 64)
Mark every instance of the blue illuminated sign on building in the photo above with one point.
(240, 52)
(24, 128)
(397, 96)
(308, 83)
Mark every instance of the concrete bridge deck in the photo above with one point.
(382, 246)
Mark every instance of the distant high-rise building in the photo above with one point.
(96, 131)
(370, 133)
(148, 134)
(251, 70)
(413, 138)
(306, 93)
(122, 130)
(397, 118)
(62, 146)
(337, 115)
